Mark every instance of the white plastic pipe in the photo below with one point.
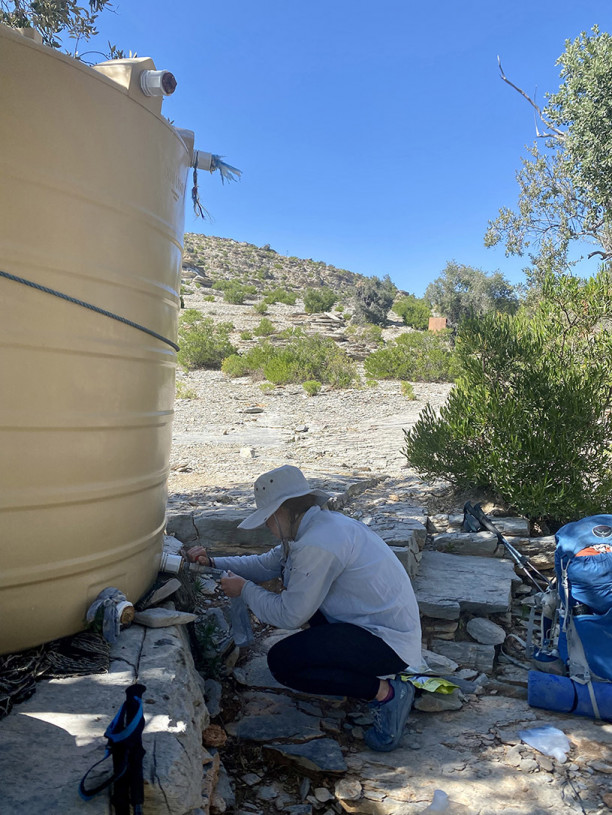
(157, 83)
(204, 160)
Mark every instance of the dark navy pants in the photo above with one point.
(333, 659)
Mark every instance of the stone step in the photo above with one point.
(449, 585)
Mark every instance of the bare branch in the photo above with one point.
(603, 255)
(556, 133)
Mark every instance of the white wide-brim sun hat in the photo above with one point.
(274, 488)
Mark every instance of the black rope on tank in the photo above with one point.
(89, 306)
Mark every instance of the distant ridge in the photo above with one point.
(216, 258)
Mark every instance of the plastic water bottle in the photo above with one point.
(239, 613)
(241, 622)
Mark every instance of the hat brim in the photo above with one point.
(260, 516)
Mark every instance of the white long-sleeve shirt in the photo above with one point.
(337, 565)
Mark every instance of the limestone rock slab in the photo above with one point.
(480, 544)
(320, 755)
(218, 528)
(486, 631)
(450, 584)
(49, 742)
(467, 654)
(292, 724)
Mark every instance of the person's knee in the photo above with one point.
(279, 662)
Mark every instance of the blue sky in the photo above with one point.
(374, 136)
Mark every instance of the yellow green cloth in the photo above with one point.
(433, 684)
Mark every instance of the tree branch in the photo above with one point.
(555, 134)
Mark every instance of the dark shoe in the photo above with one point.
(390, 717)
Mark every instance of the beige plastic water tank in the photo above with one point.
(92, 183)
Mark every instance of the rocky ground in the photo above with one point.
(284, 753)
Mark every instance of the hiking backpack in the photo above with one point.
(576, 612)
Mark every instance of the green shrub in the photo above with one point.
(235, 365)
(209, 298)
(303, 358)
(420, 356)
(317, 300)
(246, 335)
(414, 311)
(266, 387)
(261, 307)
(368, 333)
(190, 316)
(236, 293)
(183, 391)
(312, 387)
(408, 391)
(280, 295)
(265, 328)
(220, 284)
(531, 416)
(202, 343)
(373, 299)
(372, 383)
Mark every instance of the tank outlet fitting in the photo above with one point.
(171, 563)
(203, 160)
(157, 83)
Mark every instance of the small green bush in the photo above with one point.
(209, 298)
(367, 333)
(303, 358)
(408, 391)
(236, 293)
(190, 316)
(220, 284)
(312, 387)
(317, 300)
(246, 335)
(420, 356)
(372, 383)
(373, 299)
(266, 387)
(414, 311)
(183, 391)
(235, 365)
(265, 328)
(261, 307)
(280, 295)
(203, 344)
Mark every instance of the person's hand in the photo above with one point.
(232, 585)
(197, 554)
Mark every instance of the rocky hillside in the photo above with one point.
(209, 262)
(216, 258)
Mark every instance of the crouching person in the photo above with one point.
(342, 580)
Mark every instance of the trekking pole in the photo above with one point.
(475, 510)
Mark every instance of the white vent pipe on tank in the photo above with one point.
(157, 83)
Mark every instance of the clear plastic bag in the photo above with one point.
(547, 740)
(241, 622)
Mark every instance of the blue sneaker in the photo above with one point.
(390, 717)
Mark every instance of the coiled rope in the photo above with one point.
(89, 306)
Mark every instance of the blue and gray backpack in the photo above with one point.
(576, 614)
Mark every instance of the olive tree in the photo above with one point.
(463, 291)
(53, 18)
(565, 182)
